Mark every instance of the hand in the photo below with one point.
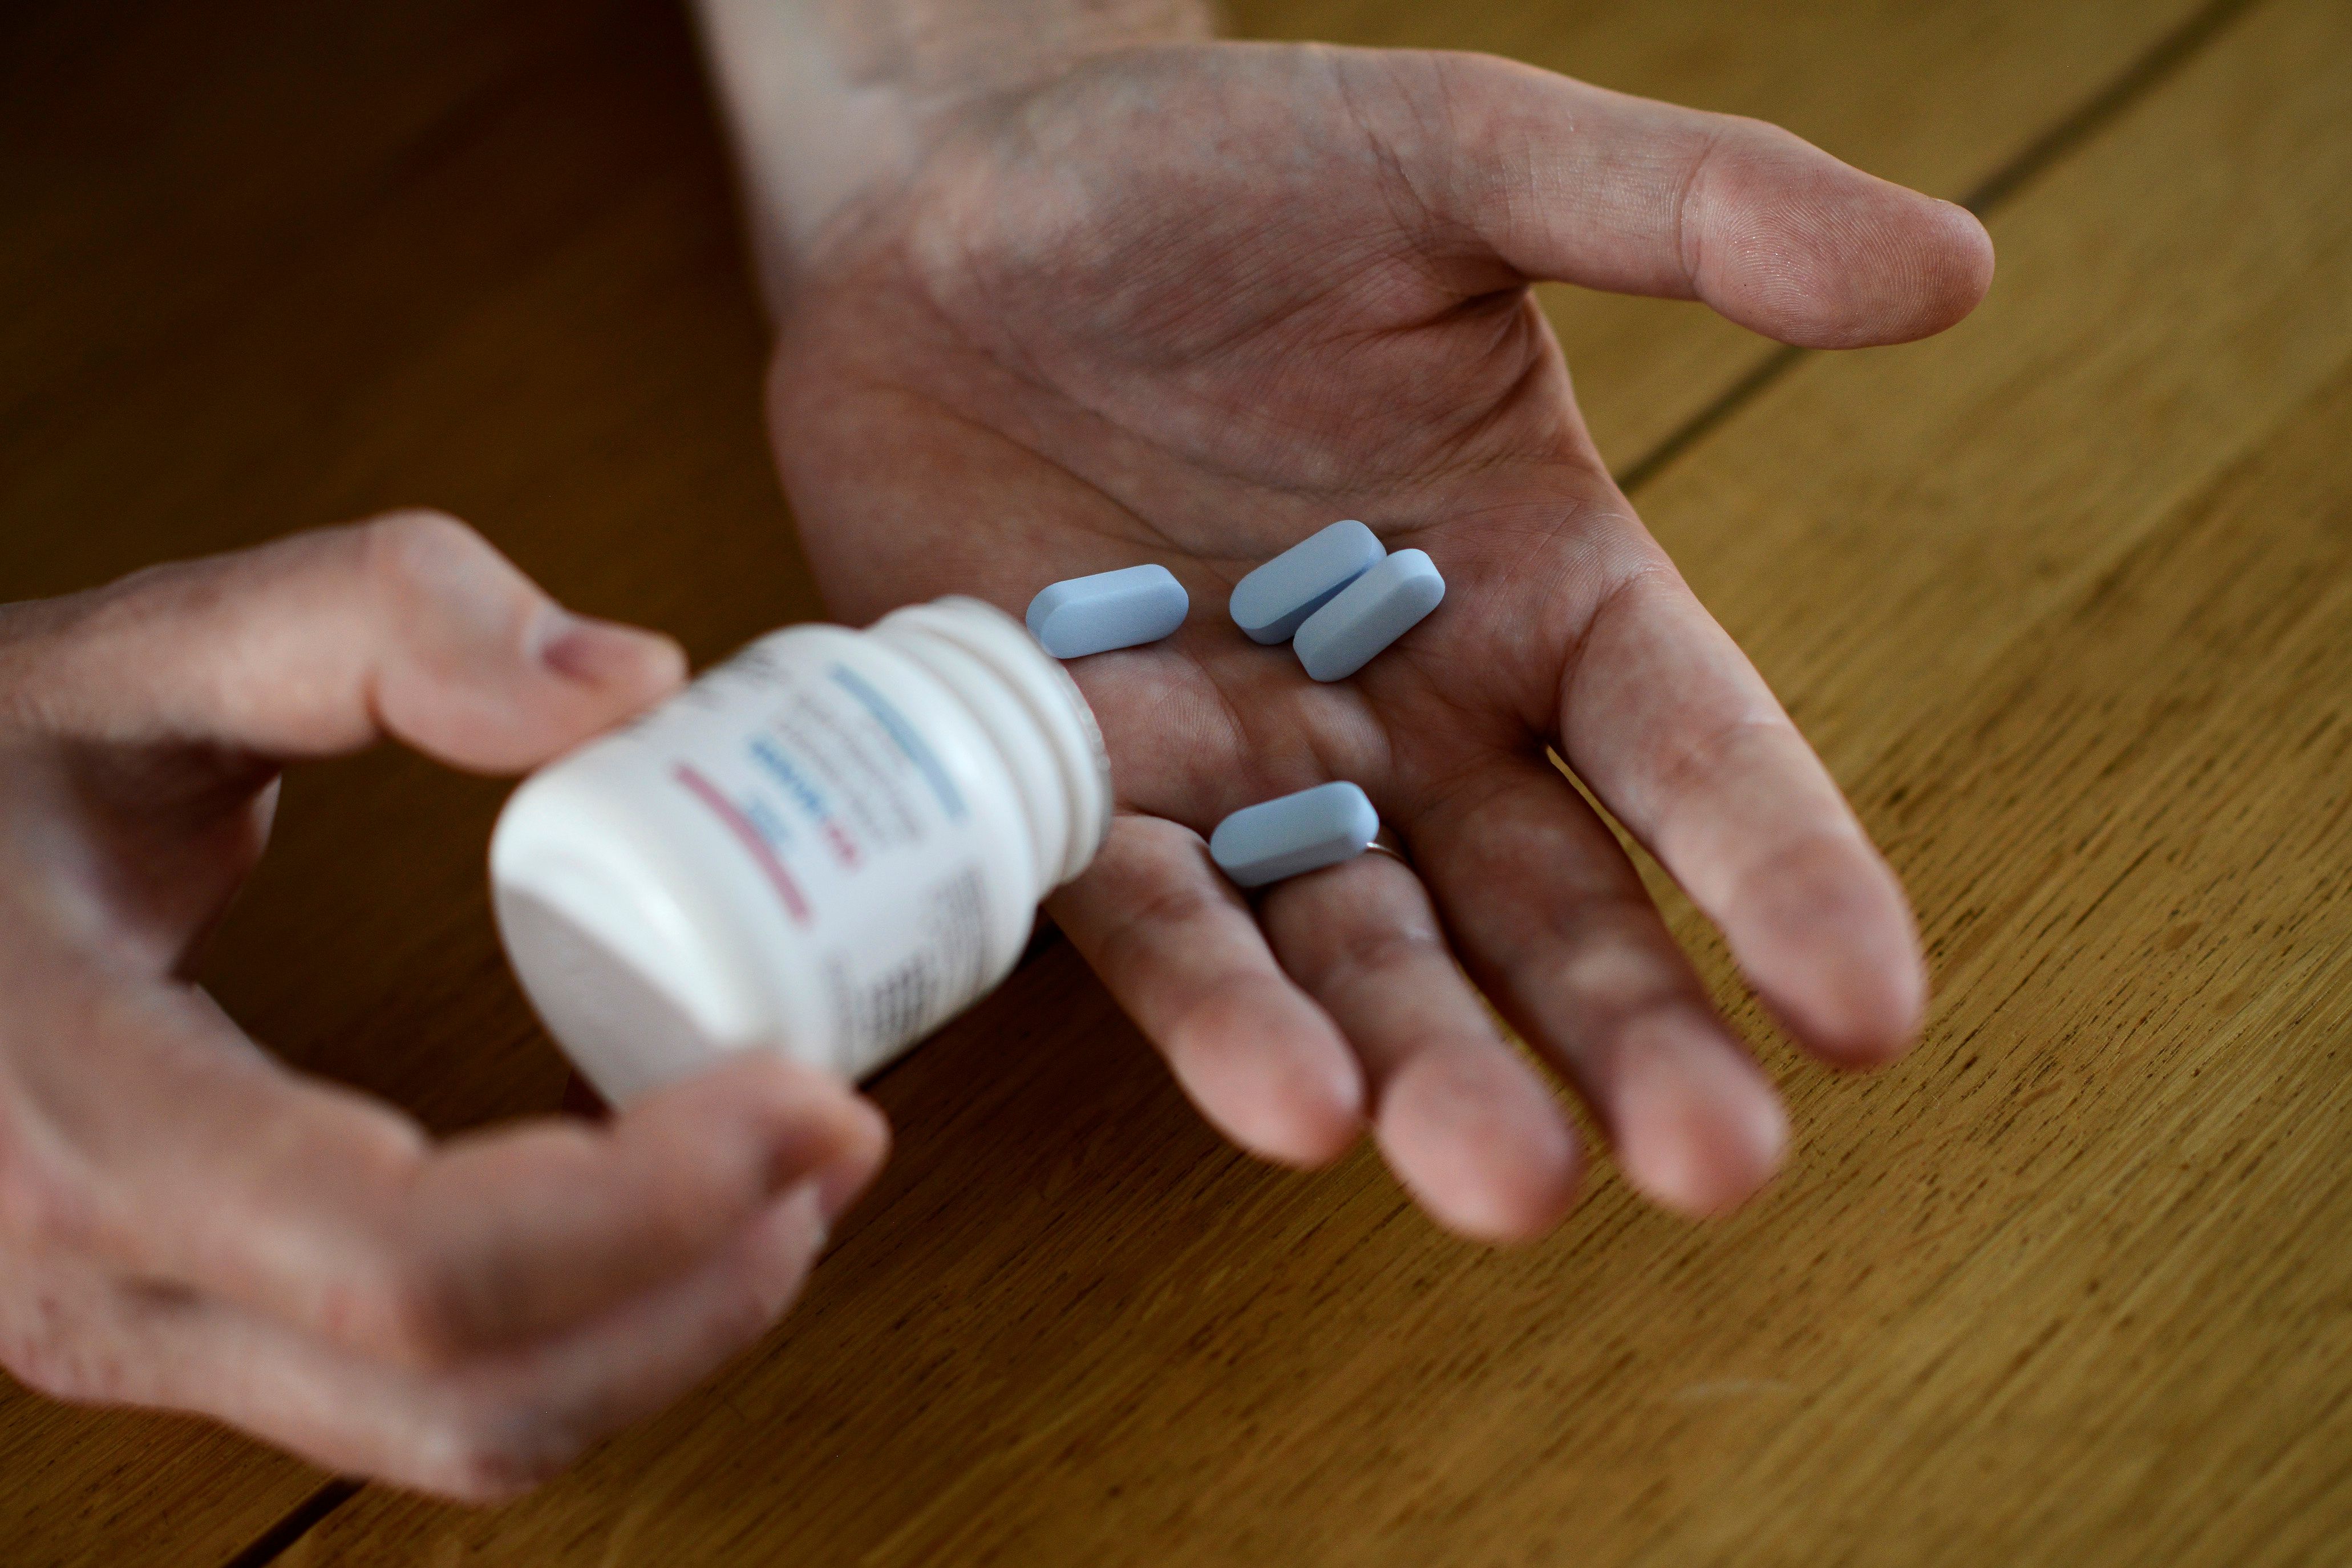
(185, 1224)
(1189, 303)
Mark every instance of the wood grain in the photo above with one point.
(1940, 98)
(2075, 623)
(2030, 586)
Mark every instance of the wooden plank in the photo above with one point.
(82, 1487)
(2070, 598)
(294, 264)
(1940, 98)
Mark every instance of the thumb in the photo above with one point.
(410, 626)
(1565, 181)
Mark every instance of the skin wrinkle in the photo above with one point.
(1165, 905)
(1181, 268)
(1149, 533)
(997, 308)
(1348, 956)
(59, 879)
(1538, 715)
(1605, 876)
(1450, 453)
(972, 271)
(1712, 894)
(1206, 724)
(375, 1164)
(1451, 120)
(1689, 239)
(1443, 452)
(1354, 266)
(1144, 531)
(1619, 588)
(1360, 763)
(1411, 216)
(44, 1183)
(1616, 979)
(1005, 353)
(1437, 802)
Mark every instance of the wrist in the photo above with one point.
(832, 102)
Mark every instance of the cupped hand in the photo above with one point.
(1188, 304)
(185, 1224)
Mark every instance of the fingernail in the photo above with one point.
(1700, 1129)
(606, 653)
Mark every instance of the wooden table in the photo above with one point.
(2065, 599)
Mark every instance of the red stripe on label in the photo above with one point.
(704, 790)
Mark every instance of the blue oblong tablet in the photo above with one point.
(1294, 833)
(1120, 608)
(1369, 614)
(1271, 602)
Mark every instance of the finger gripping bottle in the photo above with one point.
(827, 846)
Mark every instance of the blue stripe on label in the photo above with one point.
(899, 730)
(809, 798)
(762, 816)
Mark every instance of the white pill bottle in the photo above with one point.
(827, 846)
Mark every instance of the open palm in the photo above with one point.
(1189, 304)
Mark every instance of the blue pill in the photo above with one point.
(1271, 602)
(1369, 614)
(1110, 610)
(1294, 833)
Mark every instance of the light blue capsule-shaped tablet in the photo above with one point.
(1271, 602)
(1111, 610)
(1369, 614)
(1294, 833)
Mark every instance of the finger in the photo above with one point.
(589, 1214)
(1668, 724)
(1563, 180)
(169, 1145)
(478, 1431)
(515, 1422)
(1464, 1122)
(1555, 924)
(1182, 952)
(411, 626)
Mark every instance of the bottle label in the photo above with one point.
(856, 825)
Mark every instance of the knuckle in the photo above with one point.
(42, 1348)
(1621, 966)
(400, 542)
(1379, 948)
(412, 1306)
(495, 1450)
(445, 590)
(422, 559)
(43, 1209)
(1140, 929)
(48, 1366)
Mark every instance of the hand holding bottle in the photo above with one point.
(184, 1223)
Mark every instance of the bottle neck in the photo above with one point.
(1030, 708)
